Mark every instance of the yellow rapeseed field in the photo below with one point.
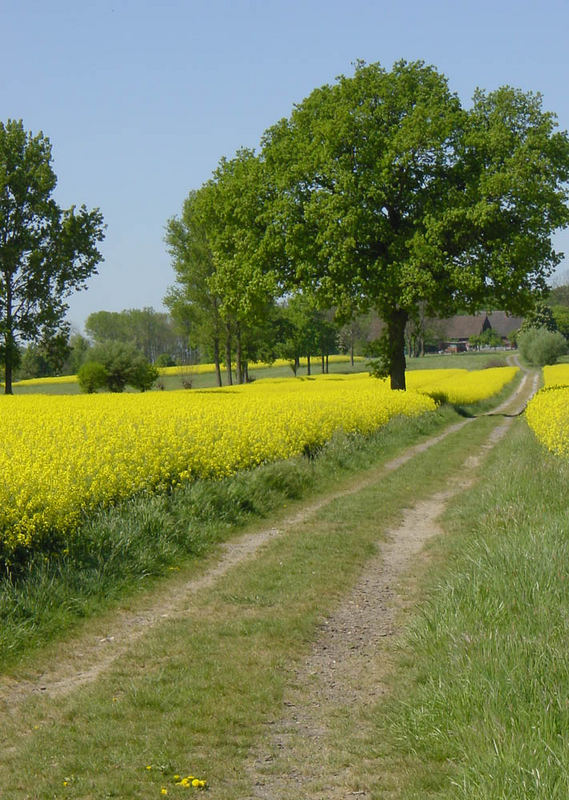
(461, 386)
(64, 455)
(556, 375)
(547, 413)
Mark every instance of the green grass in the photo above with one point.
(469, 361)
(120, 551)
(196, 693)
(480, 708)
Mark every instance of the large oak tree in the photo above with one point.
(391, 195)
(46, 253)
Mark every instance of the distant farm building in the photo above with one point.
(459, 329)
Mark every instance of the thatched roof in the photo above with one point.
(465, 326)
(503, 323)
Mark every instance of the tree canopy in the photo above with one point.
(382, 193)
(224, 286)
(114, 365)
(390, 195)
(46, 253)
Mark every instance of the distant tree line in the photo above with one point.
(379, 193)
(291, 328)
(146, 332)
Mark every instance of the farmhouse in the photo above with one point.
(459, 329)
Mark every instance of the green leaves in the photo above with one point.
(392, 195)
(46, 253)
(382, 191)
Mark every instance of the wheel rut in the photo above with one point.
(347, 668)
(82, 659)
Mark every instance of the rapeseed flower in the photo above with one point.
(64, 456)
(547, 414)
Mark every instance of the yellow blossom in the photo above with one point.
(63, 456)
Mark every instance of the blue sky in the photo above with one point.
(141, 99)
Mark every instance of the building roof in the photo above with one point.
(503, 323)
(464, 326)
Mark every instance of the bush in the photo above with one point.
(165, 360)
(143, 375)
(121, 364)
(540, 346)
(92, 376)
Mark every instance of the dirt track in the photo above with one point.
(343, 671)
(349, 662)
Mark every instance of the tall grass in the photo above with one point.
(481, 707)
(119, 551)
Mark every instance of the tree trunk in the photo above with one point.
(323, 363)
(308, 365)
(9, 344)
(228, 356)
(238, 356)
(8, 372)
(217, 361)
(352, 352)
(327, 364)
(396, 347)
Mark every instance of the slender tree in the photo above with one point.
(192, 301)
(46, 253)
(222, 273)
(235, 202)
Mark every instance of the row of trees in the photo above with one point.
(378, 192)
(151, 332)
(290, 330)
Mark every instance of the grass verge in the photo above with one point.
(480, 708)
(198, 691)
(120, 551)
